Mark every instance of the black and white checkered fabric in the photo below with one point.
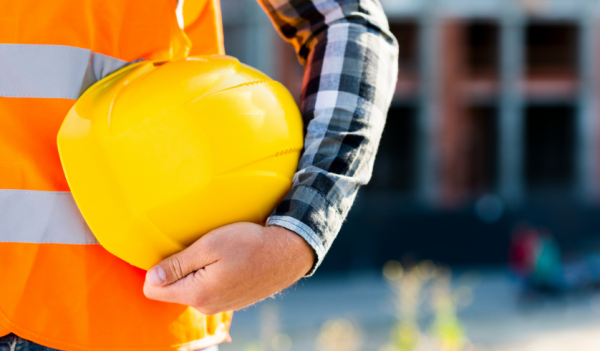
(351, 71)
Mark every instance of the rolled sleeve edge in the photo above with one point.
(296, 226)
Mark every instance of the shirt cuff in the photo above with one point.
(306, 212)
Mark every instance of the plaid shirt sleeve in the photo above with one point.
(351, 70)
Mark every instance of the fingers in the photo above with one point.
(231, 268)
(196, 277)
(179, 265)
(208, 290)
(181, 278)
(189, 290)
(171, 269)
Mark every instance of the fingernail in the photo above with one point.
(156, 276)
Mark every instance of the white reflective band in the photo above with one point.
(42, 217)
(51, 71)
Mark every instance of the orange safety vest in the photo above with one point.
(58, 286)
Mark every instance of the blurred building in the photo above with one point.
(495, 121)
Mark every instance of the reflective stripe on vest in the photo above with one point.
(58, 287)
(51, 71)
(42, 217)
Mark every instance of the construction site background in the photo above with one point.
(493, 139)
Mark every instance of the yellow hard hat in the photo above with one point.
(158, 154)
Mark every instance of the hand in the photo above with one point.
(230, 268)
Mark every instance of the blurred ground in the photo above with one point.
(494, 316)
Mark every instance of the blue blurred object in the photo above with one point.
(535, 258)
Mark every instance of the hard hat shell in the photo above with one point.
(157, 155)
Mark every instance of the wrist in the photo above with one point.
(302, 255)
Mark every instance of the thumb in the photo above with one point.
(174, 267)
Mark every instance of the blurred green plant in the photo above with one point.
(253, 346)
(271, 338)
(534, 6)
(424, 290)
(339, 335)
(446, 328)
(425, 283)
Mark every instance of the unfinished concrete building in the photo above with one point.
(496, 109)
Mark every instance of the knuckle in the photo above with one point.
(176, 267)
(207, 250)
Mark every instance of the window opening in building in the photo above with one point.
(482, 47)
(552, 49)
(483, 155)
(470, 165)
(395, 162)
(407, 34)
(549, 141)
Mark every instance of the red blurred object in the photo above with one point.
(523, 250)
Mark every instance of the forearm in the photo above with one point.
(351, 70)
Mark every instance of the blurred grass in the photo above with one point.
(425, 313)
(417, 289)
